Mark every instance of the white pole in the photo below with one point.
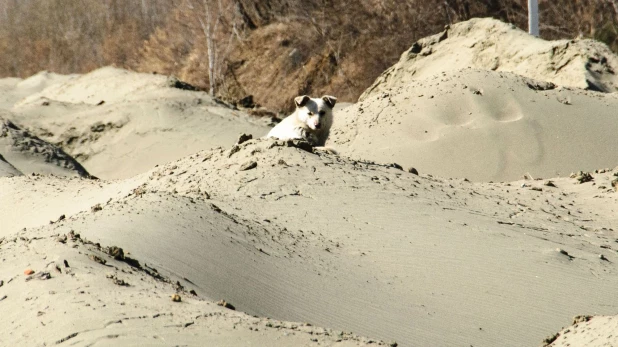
(533, 17)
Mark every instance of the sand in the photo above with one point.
(488, 102)
(29, 154)
(489, 44)
(482, 125)
(444, 261)
(587, 331)
(119, 123)
(306, 247)
(7, 169)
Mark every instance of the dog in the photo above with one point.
(311, 121)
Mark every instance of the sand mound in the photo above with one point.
(13, 90)
(282, 231)
(119, 123)
(8, 170)
(589, 331)
(108, 84)
(493, 45)
(80, 293)
(42, 80)
(482, 125)
(28, 154)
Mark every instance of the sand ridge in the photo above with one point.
(488, 44)
(114, 299)
(306, 236)
(482, 125)
(8, 170)
(119, 123)
(28, 154)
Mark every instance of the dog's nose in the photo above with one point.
(318, 125)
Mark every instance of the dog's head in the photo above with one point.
(314, 112)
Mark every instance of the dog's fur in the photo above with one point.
(310, 121)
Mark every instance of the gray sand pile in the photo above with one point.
(62, 289)
(28, 154)
(489, 44)
(8, 170)
(589, 331)
(281, 231)
(482, 125)
(119, 123)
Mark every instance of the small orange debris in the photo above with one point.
(28, 272)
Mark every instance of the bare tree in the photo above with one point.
(209, 16)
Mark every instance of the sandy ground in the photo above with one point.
(119, 123)
(80, 295)
(443, 261)
(488, 44)
(484, 126)
(587, 331)
(312, 248)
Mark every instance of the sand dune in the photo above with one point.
(313, 248)
(119, 123)
(486, 101)
(484, 126)
(8, 170)
(28, 154)
(308, 237)
(489, 44)
(79, 294)
(587, 331)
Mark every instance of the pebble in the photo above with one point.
(244, 138)
(413, 171)
(248, 166)
(116, 252)
(176, 298)
(226, 304)
(562, 251)
(97, 259)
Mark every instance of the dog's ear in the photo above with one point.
(330, 100)
(301, 100)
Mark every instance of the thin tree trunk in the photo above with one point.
(210, 45)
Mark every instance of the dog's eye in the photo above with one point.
(310, 113)
(322, 113)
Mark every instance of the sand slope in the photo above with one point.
(80, 295)
(489, 44)
(8, 170)
(356, 246)
(28, 154)
(482, 125)
(486, 101)
(13, 90)
(587, 331)
(119, 123)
